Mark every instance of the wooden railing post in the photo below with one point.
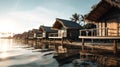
(80, 33)
(92, 32)
(86, 33)
(95, 32)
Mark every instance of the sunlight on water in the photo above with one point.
(13, 54)
(3, 55)
(4, 47)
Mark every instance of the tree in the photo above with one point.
(89, 26)
(75, 17)
(82, 19)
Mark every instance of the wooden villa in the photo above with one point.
(17, 36)
(45, 31)
(32, 34)
(106, 15)
(66, 29)
(24, 35)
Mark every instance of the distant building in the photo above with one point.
(46, 30)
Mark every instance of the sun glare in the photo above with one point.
(8, 25)
(4, 48)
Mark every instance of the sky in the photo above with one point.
(17, 16)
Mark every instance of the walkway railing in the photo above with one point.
(99, 32)
(53, 34)
(40, 35)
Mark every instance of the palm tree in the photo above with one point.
(82, 19)
(75, 17)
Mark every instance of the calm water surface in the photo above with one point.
(22, 54)
(14, 54)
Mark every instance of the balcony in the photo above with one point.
(100, 33)
(54, 35)
(39, 36)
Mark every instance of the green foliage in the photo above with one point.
(78, 18)
(89, 26)
(75, 17)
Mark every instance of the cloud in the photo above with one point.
(36, 15)
(26, 20)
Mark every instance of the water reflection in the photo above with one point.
(28, 53)
(64, 55)
(4, 46)
(13, 53)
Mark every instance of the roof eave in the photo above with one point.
(91, 16)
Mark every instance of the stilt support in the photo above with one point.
(115, 47)
(62, 41)
(82, 44)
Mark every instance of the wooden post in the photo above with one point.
(86, 33)
(49, 41)
(54, 40)
(106, 29)
(80, 33)
(92, 44)
(82, 44)
(62, 41)
(92, 33)
(115, 48)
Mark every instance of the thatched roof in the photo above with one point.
(66, 24)
(47, 29)
(101, 8)
(36, 31)
(30, 31)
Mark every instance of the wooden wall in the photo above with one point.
(62, 33)
(111, 20)
(113, 28)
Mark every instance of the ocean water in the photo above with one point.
(15, 53)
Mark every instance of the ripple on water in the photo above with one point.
(20, 57)
(18, 54)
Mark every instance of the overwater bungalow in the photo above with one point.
(24, 35)
(36, 33)
(45, 31)
(66, 29)
(32, 34)
(106, 15)
(17, 36)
